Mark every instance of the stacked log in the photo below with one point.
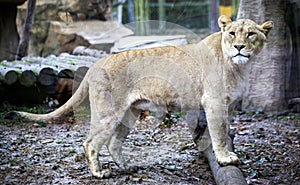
(43, 74)
(32, 70)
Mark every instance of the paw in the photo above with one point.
(102, 174)
(229, 158)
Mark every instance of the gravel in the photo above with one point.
(34, 153)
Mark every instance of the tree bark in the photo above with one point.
(266, 88)
(214, 14)
(24, 42)
(223, 175)
(293, 63)
(226, 175)
(130, 10)
(9, 37)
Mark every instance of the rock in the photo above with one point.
(143, 42)
(83, 51)
(44, 12)
(46, 141)
(65, 12)
(97, 9)
(91, 34)
(58, 40)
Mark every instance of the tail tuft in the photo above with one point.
(13, 115)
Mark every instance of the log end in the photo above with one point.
(11, 77)
(230, 175)
(28, 78)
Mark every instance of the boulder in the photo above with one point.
(144, 42)
(99, 35)
(48, 14)
(89, 9)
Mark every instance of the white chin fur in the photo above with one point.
(240, 60)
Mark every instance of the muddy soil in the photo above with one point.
(35, 153)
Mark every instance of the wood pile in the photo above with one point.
(44, 74)
(32, 70)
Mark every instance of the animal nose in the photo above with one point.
(239, 47)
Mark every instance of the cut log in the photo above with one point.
(28, 78)
(8, 75)
(64, 86)
(66, 74)
(46, 71)
(224, 175)
(81, 71)
(47, 76)
(82, 50)
(79, 74)
(53, 77)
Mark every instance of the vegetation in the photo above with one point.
(6, 107)
(184, 13)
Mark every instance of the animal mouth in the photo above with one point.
(239, 54)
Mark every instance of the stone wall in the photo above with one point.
(53, 16)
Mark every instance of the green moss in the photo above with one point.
(28, 62)
(3, 64)
(71, 62)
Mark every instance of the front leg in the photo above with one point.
(196, 120)
(218, 126)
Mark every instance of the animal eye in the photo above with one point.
(232, 33)
(250, 34)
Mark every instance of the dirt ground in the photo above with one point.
(35, 153)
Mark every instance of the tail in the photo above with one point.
(77, 98)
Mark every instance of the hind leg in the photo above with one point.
(102, 128)
(121, 132)
(103, 122)
(115, 146)
(92, 148)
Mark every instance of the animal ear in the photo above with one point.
(267, 27)
(224, 21)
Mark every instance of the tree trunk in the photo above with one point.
(293, 64)
(24, 42)
(230, 175)
(141, 12)
(161, 10)
(266, 90)
(214, 14)
(130, 10)
(120, 12)
(9, 37)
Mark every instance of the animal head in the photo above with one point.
(243, 38)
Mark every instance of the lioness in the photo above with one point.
(211, 75)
